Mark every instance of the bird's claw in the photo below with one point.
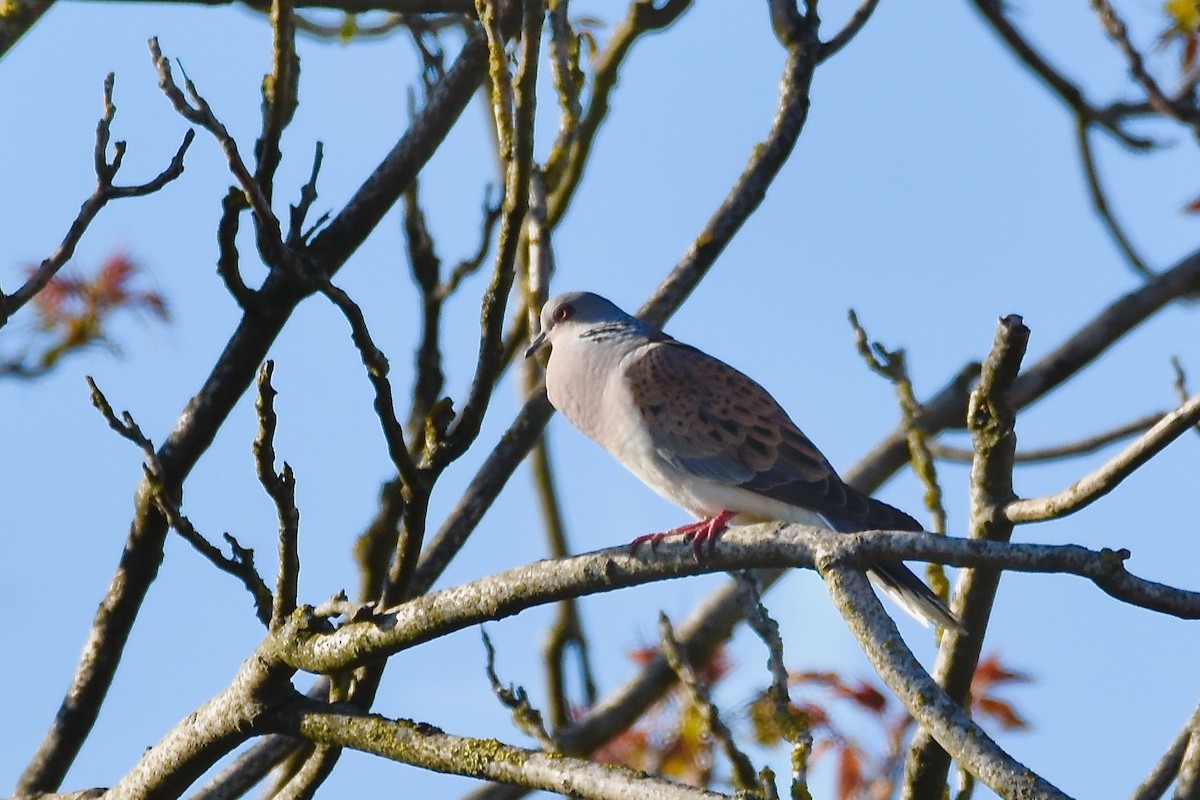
(701, 535)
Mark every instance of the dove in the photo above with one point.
(706, 437)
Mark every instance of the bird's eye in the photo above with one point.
(563, 313)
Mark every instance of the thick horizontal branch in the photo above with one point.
(426, 746)
(508, 593)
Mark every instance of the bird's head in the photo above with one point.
(576, 313)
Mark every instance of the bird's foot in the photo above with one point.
(701, 534)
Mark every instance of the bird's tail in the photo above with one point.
(902, 585)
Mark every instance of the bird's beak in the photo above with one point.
(536, 344)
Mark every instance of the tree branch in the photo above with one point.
(929, 704)
(1100, 200)
(506, 593)
(281, 488)
(1084, 446)
(106, 172)
(949, 408)
(745, 777)
(270, 236)
(991, 417)
(205, 413)
(993, 12)
(1167, 769)
(426, 746)
(18, 18)
(1095, 485)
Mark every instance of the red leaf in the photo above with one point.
(850, 773)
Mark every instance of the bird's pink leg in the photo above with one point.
(700, 533)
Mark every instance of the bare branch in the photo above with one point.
(991, 417)
(1114, 26)
(930, 705)
(298, 213)
(1107, 327)
(1095, 485)
(751, 186)
(527, 718)
(250, 767)
(228, 259)
(892, 365)
(800, 736)
(502, 96)
(563, 49)
(270, 235)
(564, 166)
(1100, 200)
(430, 379)
(279, 95)
(855, 24)
(1079, 447)
(518, 161)
(18, 18)
(281, 488)
(745, 777)
(506, 593)
(231, 375)
(106, 172)
(1167, 769)
(993, 12)
(431, 7)
(241, 565)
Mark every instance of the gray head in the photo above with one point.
(580, 313)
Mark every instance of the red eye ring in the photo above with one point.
(563, 313)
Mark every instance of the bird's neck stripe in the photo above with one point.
(608, 330)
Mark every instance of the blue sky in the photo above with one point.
(934, 189)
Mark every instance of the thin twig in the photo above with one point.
(1100, 200)
(241, 565)
(1116, 29)
(279, 99)
(853, 25)
(430, 378)
(228, 259)
(281, 488)
(893, 365)
(297, 235)
(198, 112)
(564, 167)
(993, 12)
(527, 718)
(518, 161)
(1079, 447)
(745, 777)
(106, 172)
(790, 726)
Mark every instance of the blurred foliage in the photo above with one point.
(74, 312)
(858, 728)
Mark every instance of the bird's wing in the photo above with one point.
(715, 424)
